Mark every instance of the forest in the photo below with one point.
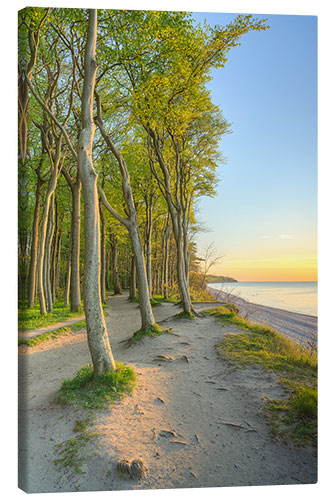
(118, 141)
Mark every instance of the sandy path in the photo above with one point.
(298, 327)
(193, 420)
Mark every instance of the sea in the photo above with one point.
(295, 296)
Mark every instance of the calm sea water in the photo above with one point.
(296, 296)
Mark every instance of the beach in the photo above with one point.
(298, 327)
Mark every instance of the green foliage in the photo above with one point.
(91, 391)
(292, 418)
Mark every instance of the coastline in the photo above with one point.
(299, 327)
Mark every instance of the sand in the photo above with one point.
(298, 327)
(192, 419)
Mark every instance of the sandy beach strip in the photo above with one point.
(298, 327)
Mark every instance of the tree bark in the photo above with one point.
(116, 282)
(131, 223)
(149, 228)
(102, 254)
(132, 289)
(166, 260)
(75, 254)
(34, 245)
(68, 272)
(47, 260)
(75, 288)
(98, 339)
(42, 241)
(175, 211)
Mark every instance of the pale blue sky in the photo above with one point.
(267, 200)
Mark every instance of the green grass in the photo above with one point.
(31, 319)
(89, 391)
(33, 341)
(293, 418)
(154, 331)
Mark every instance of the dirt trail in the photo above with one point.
(194, 421)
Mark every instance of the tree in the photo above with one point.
(98, 339)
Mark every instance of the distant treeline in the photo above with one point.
(211, 278)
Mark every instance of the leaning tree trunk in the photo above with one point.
(131, 223)
(98, 339)
(34, 246)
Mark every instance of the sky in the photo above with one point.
(264, 219)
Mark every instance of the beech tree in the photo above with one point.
(98, 339)
(128, 122)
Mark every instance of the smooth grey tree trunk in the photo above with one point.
(149, 225)
(166, 260)
(75, 288)
(47, 260)
(116, 282)
(102, 253)
(34, 246)
(58, 260)
(175, 211)
(132, 289)
(98, 340)
(68, 272)
(42, 241)
(131, 223)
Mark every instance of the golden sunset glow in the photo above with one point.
(286, 268)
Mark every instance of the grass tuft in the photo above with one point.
(293, 418)
(89, 391)
(184, 315)
(154, 331)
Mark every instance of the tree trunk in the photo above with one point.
(75, 295)
(98, 339)
(68, 272)
(149, 223)
(42, 241)
(75, 289)
(132, 289)
(47, 260)
(53, 251)
(34, 246)
(166, 260)
(147, 317)
(116, 282)
(131, 223)
(58, 259)
(102, 254)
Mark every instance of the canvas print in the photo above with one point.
(167, 261)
